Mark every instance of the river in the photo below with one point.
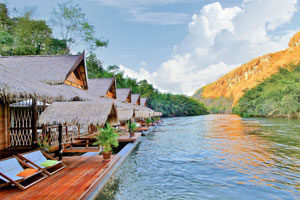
(213, 157)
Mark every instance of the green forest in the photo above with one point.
(277, 96)
(23, 35)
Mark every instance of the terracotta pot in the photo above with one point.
(106, 155)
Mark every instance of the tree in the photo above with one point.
(5, 21)
(74, 27)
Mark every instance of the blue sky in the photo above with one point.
(181, 45)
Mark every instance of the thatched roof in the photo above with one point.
(125, 114)
(135, 98)
(70, 93)
(141, 112)
(14, 84)
(123, 94)
(144, 102)
(125, 110)
(51, 69)
(157, 114)
(100, 86)
(79, 112)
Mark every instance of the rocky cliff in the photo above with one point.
(246, 76)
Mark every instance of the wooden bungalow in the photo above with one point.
(140, 112)
(144, 102)
(68, 114)
(17, 125)
(53, 70)
(63, 77)
(124, 106)
(124, 95)
(136, 99)
(103, 87)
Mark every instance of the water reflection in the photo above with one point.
(213, 157)
(241, 149)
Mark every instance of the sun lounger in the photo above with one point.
(42, 161)
(12, 173)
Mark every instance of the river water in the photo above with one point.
(213, 157)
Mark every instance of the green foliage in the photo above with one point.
(44, 143)
(107, 138)
(148, 121)
(156, 118)
(277, 96)
(25, 36)
(74, 27)
(220, 105)
(132, 126)
(168, 104)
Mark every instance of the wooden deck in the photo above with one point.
(141, 129)
(76, 181)
(126, 137)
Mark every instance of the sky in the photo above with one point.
(182, 45)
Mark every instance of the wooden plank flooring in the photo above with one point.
(76, 180)
(126, 137)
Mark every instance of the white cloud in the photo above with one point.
(220, 39)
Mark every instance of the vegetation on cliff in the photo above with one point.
(277, 96)
(247, 76)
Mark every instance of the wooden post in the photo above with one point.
(34, 120)
(79, 130)
(130, 128)
(60, 141)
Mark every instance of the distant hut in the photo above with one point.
(124, 106)
(103, 87)
(144, 102)
(140, 112)
(136, 99)
(124, 95)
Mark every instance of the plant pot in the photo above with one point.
(106, 155)
(45, 150)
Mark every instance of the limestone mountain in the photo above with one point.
(224, 93)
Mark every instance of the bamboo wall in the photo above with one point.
(3, 126)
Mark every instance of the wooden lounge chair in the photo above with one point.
(10, 167)
(36, 158)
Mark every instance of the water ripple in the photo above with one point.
(213, 157)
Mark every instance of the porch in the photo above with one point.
(76, 181)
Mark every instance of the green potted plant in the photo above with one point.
(148, 121)
(107, 138)
(43, 144)
(132, 126)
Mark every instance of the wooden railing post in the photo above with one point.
(34, 120)
(60, 141)
(130, 131)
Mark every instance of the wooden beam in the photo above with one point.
(34, 120)
(60, 141)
